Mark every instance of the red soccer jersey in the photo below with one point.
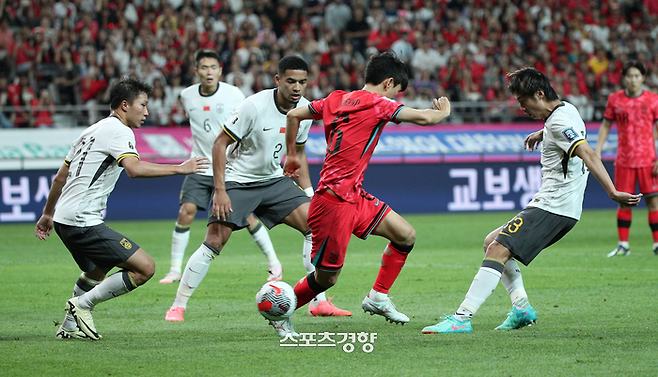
(635, 117)
(353, 123)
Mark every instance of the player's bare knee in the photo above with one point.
(408, 237)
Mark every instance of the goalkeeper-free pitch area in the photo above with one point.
(598, 316)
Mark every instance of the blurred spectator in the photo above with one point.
(402, 47)
(92, 88)
(425, 57)
(22, 97)
(357, 29)
(6, 41)
(6, 117)
(158, 111)
(336, 15)
(68, 79)
(44, 111)
(581, 102)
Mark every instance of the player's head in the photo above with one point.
(633, 73)
(291, 79)
(388, 69)
(128, 99)
(532, 90)
(208, 68)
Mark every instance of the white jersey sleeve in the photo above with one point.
(564, 175)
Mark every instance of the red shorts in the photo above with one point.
(625, 179)
(333, 221)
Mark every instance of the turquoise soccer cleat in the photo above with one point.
(450, 324)
(519, 318)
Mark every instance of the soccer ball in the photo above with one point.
(276, 300)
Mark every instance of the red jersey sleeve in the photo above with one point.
(387, 109)
(316, 107)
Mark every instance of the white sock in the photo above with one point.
(262, 239)
(195, 270)
(377, 296)
(513, 283)
(113, 286)
(625, 244)
(82, 286)
(306, 260)
(179, 241)
(484, 283)
(655, 244)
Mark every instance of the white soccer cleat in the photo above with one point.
(171, 277)
(63, 333)
(284, 327)
(275, 272)
(385, 309)
(83, 318)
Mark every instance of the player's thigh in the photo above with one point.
(396, 229)
(142, 266)
(298, 218)
(648, 181)
(491, 237)
(283, 201)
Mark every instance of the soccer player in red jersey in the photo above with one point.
(635, 111)
(341, 207)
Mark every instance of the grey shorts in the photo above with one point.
(533, 230)
(270, 200)
(96, 246)
(197, 189)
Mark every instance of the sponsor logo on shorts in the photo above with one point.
(126, 244)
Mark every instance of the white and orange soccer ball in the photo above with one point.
(276, 300)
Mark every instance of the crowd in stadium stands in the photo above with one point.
(68, 52)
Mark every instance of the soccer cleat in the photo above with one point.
(326, 309)
(385, 309)
(63, 333)
(275, 272)
(175, 314)
(83, 318)
(620, 251)
(519, 318)
(655, 250)
(450, 324)
(171, 277)
(284, 327)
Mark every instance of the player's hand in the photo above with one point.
(626, 198)
(532, 141)
(291, 167)
(44, 227)
(655, 168)
(441, 104)
(221, 204)
(195, 165)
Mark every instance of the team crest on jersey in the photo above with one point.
(570, 134)
(219, 108)
(644, 108)
(126, 244)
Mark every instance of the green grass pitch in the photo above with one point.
(598, 316)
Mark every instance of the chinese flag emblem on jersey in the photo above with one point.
(206, 108)
(282, 130)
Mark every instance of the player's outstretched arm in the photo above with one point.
(45, 224)
(532, 141)
(604, 131)
(595, 166)
(427, 117)
(293, 163)
(142, 169)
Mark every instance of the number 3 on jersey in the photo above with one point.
(336, 135)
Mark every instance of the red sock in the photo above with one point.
(392, 263)
(304, 292)
(653, 223)
(624, 217)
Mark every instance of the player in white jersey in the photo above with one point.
(550, 215)
(208, 105)
(249, 179)
(81, 189)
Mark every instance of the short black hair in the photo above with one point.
(634, 64)
(212, 54)
(385, 65)
(128, 88)
(293, 63)
(528, 81)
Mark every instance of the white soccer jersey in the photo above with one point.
(564, 176)
(94, 169)
(258, 126)
(207, 115)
